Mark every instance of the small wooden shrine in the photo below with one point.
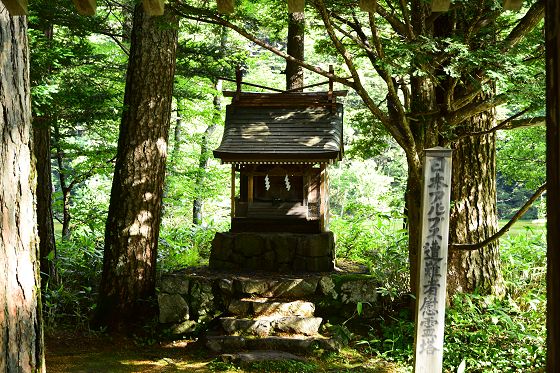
(279, 146)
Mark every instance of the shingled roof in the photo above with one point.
(282, 128)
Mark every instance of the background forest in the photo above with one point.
(78, 72)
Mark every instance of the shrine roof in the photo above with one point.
(282, 128)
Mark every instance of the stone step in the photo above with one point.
(264, 326)
(270, 307)
(282, 288)
(300, 344)
(245, 358)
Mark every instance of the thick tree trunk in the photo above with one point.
(132, 230)
(21, 335)
(45, 226)
(552, 23)
(296, 48)
(474, 214)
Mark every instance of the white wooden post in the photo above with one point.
(432, 255)
(296, 6)
(16, 7)
(440, 5)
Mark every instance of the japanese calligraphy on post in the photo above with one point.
(432, 255)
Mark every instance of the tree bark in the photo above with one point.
(552, 24)
(474, 215)
(205, 156)
(132, 229)
(21, 333)
(296, 49)
(45, 226)
(64, 186)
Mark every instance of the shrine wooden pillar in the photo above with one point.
(232, 191)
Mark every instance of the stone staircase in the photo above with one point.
(264, 317)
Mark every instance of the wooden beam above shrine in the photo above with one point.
(16, 7)
(85, 7)
(513, 4)
(440, 5)
(153, 7)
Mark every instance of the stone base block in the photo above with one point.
(274, 252)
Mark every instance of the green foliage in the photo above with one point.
(282, 366)
(521, 156)
(376, 240)
(271, 366)
(185, 245)
(71, 300)
(489, 334)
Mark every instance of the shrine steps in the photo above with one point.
(255, 310)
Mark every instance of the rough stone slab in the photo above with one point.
(319, 264)
(186, 327)
(260, 327)
(295, 344)
(225, 343)
(359, 291)
(265, 326)
(298, 325)
(172, 308)
(272, 309)
(293, 288)
(240, 307)
(260, 355)
(249, 244)
(174, 284)
(252, 286)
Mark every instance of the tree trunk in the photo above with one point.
(552, 23)
(296, 48)
(45, 226)
(132, 230)
(205, 156)
(21, 333)
(64, 187)
(474, 215)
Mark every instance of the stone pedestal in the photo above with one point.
(274, 252)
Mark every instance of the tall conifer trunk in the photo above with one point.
(132, 230)
(296, 49)
(45, 225)
(21, 329)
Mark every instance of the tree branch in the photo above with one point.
(209, 17)
(505, 228)
(474, 108)
(525, 25)
(509, 124)
(399, 27)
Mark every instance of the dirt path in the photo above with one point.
(69, 352)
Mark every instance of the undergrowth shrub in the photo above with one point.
(185, 245)
(71, 299)
(490, 334)
(378, 241)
